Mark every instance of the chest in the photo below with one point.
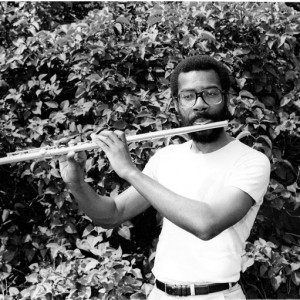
(193, 176)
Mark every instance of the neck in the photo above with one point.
(222, 141)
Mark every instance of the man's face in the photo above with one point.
(201, 112)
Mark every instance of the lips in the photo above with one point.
(201, 122)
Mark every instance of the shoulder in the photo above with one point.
(246, 153)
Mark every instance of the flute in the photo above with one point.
(51, 151)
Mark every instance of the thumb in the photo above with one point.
(71, 157)
(76, 158)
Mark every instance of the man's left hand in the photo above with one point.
(115, 147)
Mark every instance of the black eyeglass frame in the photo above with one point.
(201, 95)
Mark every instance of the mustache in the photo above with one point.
(202, 116)
(215, 117)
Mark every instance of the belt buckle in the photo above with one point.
(169, 289)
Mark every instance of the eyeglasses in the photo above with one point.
(211, 96)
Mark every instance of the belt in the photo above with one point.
(192, 289)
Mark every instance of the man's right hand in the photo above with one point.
(72, 167)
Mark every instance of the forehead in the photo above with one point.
(198, 80)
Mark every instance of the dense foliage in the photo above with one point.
(69, 69)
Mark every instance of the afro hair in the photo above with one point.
(200, 63)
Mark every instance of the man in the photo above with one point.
(208, 190)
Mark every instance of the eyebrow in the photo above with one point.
(194, 90)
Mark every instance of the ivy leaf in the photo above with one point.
(5, 214)
(295, 266)
(52, 104)
(91, 264)
(296, 278)
(272, 32)
(241, 51)
(80, 91)
(246, 94)
(124, 232)
(276, 282)
(285, 101)
(266, 140)
(123, 20)
(32, 278)
(70, 228)
(154, 20)
(284, 172)
(13, 291)
(53, 78)
(206, 35)
(88, 230)
(290, 31)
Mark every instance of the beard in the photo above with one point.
(210, 135)
(206, 136)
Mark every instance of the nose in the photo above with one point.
(200, 104)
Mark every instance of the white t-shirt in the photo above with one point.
(183, 258)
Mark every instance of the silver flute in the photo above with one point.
(52, 151)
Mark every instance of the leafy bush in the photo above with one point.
(70, 69)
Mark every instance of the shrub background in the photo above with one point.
(73, 68)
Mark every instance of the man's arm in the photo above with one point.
(105, 211)
(201, 219)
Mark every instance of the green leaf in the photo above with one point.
(243, 134)
(241, 51)
(70, 228)
(53, 79)
(51, 190)
(206, 35)
(32, 278)
(80, 91)
(266, 140)
(5, 214)
(154, 20)
(295, 266)
(290, 31)
(124, 232)
(91, 264)
(13, 291)
(272, 32)
(285, 101)
(296, 278)
(122, 20)
(88, 230)
(246, 94)
(276, 282)
(52, 104)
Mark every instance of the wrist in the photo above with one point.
(132, 174)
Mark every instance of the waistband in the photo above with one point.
(192, 289)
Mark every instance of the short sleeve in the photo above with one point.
(150, 168)
(251, 174)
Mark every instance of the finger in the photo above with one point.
(62, 158)
(121, 136)
(63, 140)
(100, 143)
(72, 142)
(114, 136)
(80, 156)
(103, 140)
